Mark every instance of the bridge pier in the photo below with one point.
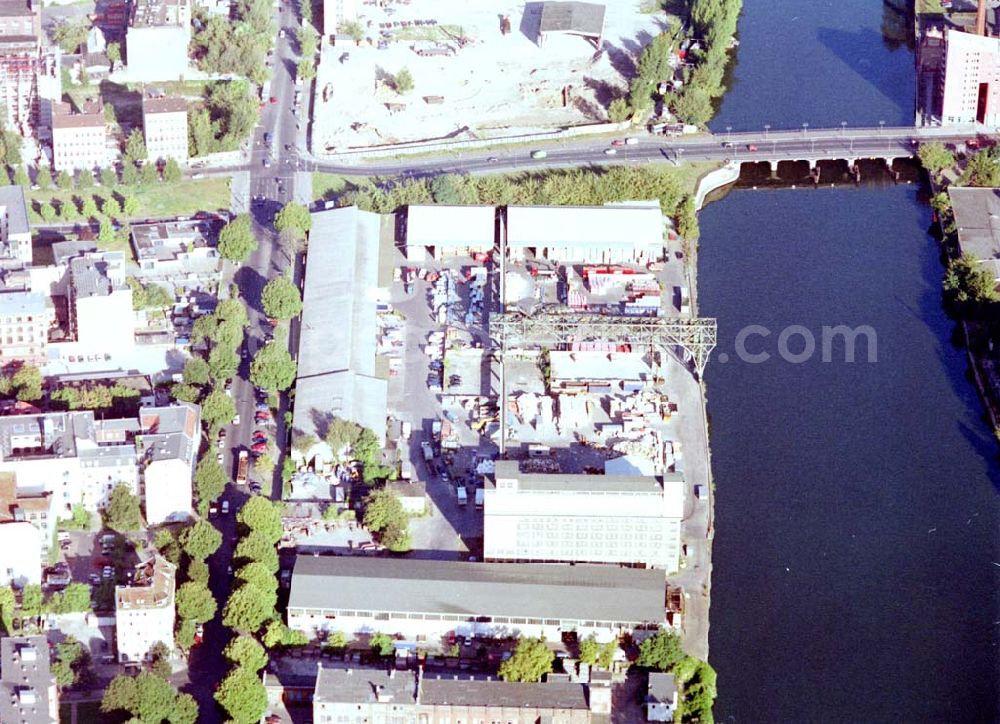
(854, 169)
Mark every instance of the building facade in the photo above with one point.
(970, 91)
(25, 320)
(428, 600)
(79, 139)
(29, 694)
(623, 519)
(15, 231)
(144, 611)
(178, 252)
(165, 128)
(29, 72)
(157, 39)
(20, 553)
(363, 696)
(100, 302)
(169, 442)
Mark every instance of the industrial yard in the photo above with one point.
(469, 78)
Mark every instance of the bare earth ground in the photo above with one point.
(495, 85)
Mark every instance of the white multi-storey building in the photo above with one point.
(100, 302)
(970, 89)
(20, 553)
(25, 319)
(15, 232)
(165, 128)
(623, 519)
(144, 611)
(157, 39)
(79, 139)
(28, 693)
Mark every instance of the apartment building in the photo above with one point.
(79, 137)
(20, 553)
(29, 72)
(165, 128)
(15, 231)
(77, 459)
(157, 39)
(25, 319)
(28, 693)
(426, 600)
(178, 251)
(144, 611)
(970, 91)
(100, 302)
(345, 695)
(622, 519)
(28, 550)
(338, 12)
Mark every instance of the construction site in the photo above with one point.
(476, 70)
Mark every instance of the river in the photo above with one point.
(857, 512)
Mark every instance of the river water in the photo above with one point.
(857, 503)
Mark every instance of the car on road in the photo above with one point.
(259, 436)
(199, 634)
(631, 141)
(492, 159)
(262, 407)
(255, 488)
(259, 447)
(610, 151)
(213, 510)
(618, 142)
(274, 101)
(262, 415)
(539, 154)
(220, 458)
(751, 146)
(281, 33)
(267, 136)
(267, 163)
(225, 507)
(236, 419)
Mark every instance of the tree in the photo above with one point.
(135, 147)
(589, 650)
(619, 110)
(281, 299)
(200, 540)
(352, 28)
(108, 177)
(276, 633)
(272, 369)
(114, 52)
(172, 171)
(935, 157)
(44, 177)
(196, 371)
(31, 600)
(130, 206)
(218, 409)
(70, 34)
(70, 658)
(236, 240)
(209, 479)
(185, 393)
(111, 207)
(21, 177)
(342, 435)
(368, 452)
(89, 209)
(245, 651)
(694, 106)
(223, 363)
(160, 656)
(382, 644)
(968, 282)
(247, 609)
(262, 517)
(242, 695)
(293, 217)
(154, 698)
(403, 81)
(305, 69)
(7, 605)
(130, 174)
(233, 311)
(185, 710)
(661, 651)
(195, 602)
(530, 661)
(122, 513)
(27, 382)
(65, 181)
(85, 179)
(47, 212)
(982, 169)
(687, 218)
(384, 514)
(76, 598)
(259, 575)
(148, 174)
(197, 571)
(257, 547)
(106, 231)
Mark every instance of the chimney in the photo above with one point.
(981, 18)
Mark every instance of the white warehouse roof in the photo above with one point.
(590, 226)
(440, 225)
(598, 365)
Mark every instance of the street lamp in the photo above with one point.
(680, 152)
(843, 128)
(767, 127)
(729, 133)
(881, 125)
(805, 128)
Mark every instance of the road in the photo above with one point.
(270, 186)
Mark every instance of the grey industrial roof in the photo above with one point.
(22, 303)
(349, 396)
(90, 277)
(977, 216)
(58, 430)
(157, 13)
(12, 198)
(469, 691)
(63, 251)
(575, 592)
(572, 17)
(165, 240)
(566, 482)
(26, 679)
(661, 687)
(15, 8)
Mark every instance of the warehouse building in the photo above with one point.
(585, 20)
(615, 234)
(977, 216)
(624, 519)
(442, 231)
(339, 374)
(426, 600)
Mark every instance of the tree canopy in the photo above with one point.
(293, 217)
(531, 660)
(935, 157)
(261, 517)
(122, 512)
(257, 547)
(209, 479)
(384, 515)
(281, 299)
(661, 651)
(195, 602)
(200, 540)
(242, 695)
(259, 575)
(149, 698)
(273, 368)
(246, 651)
(236, 240)
(218, 409)
(247, 609)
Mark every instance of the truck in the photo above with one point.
(427, 450)
(242, 467)
(436, 430)
(463, 496)
(480, 497)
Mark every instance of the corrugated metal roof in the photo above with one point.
(572, 17)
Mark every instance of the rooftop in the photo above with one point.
(26, 679)
(572, 17)
(16, 8)
(164, 241)
(600, 226)
(97, 275)
(360, 398)
(662, 688)
(91, 115)
(158, 13)
(163, 104)
(977, 216)
(17, 304)
(598, 365)
(153, 586)
(574, 592)
(583, 483)
(443, 225)
(15, 208)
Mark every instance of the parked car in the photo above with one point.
(610, 151)
(262, 407)
(259, 447)
(618, 142)
(225, 507)
(236, 419)
(199, 634)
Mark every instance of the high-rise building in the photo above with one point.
(157, 39)
(970, 79)
(29, 71)
(144, 611)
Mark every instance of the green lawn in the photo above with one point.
(327, 184)
(161, 199)
(929, 7)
